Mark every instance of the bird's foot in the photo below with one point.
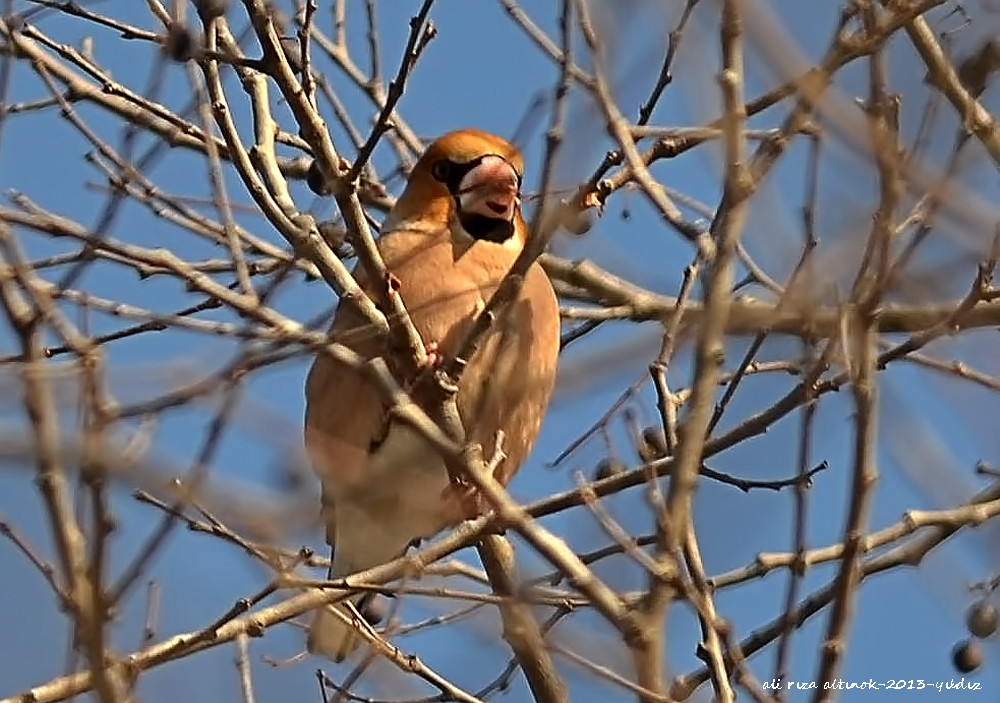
(463, 501)
(427, 367)
(434, 356)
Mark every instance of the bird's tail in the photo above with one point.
(332, 637)
(361, 544)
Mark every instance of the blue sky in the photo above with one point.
(481, 71)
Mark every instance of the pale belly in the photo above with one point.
(402, 490)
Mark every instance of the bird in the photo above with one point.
(447, 243)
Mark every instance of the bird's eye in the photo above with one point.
(442, 170)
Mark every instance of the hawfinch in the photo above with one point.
(450, 239)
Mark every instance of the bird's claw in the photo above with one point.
(425, 369)
(434, 356)
(464, 501)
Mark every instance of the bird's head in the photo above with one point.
(471, 175)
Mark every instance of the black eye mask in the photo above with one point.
(490, 229)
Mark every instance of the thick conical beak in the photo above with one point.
(490, 189)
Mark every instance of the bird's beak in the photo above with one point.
(490, 189)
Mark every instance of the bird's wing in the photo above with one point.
(508, 384)
(344, 411)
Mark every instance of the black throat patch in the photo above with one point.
(489, 229)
